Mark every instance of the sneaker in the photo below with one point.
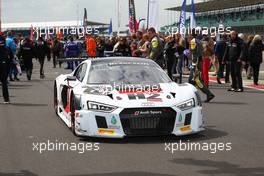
(11, 79)
(28, 77)
(227, 81)
(219, 81)
(209, 98)
(239, 90)
(17, 79)
(6, 102)
(231, 90)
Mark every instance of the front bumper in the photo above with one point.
(127, 122)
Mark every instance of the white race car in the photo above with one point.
(118, 97)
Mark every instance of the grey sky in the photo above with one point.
(98, 10)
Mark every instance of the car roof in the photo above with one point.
(123, 59)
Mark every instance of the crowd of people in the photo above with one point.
(193, 54)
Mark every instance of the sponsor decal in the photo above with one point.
(180, 118)
(186, 129)
(148, 112)
(147, 104)
(119, 98)
(114, 127)
(113, 120)
(97, 90)
(106, 131)
(113, 124)
(179, 125)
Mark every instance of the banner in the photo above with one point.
(183, 19)
(85, 19)
(193, 17)
(153, 16)
(110, 29)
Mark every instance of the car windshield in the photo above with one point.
(126, 72)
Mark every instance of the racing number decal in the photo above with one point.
(148, 97)
(136, 97)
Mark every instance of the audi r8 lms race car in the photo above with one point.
(118, 97)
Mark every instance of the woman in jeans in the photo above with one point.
(180, 47)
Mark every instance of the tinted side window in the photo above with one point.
(80, 72)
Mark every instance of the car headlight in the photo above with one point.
(94, 106)
(186, 105)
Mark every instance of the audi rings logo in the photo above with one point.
(136, 113)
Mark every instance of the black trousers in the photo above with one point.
(41, 62)
(196, 80)
(236, 75)
(28, 66)
(220, 72)
(4, 70)
(227, 75)
(255, 67)
(55, 57)
(170, 64)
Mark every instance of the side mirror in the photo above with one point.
(71, 78)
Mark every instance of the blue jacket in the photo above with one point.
(11, 44)
(72, 49)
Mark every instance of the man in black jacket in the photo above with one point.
(41, 49)
(219, 54)
(26, 53)
(255, 56)
(169, 51)
(5, 58)
(234, 56)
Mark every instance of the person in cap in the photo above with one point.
(6, 56)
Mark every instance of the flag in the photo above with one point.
(132, 17)
(183, 19)
(193, 17)
(85, 19)
(31, 37)
(110, 29)
(153, 14)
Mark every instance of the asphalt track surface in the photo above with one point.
(235, 118)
